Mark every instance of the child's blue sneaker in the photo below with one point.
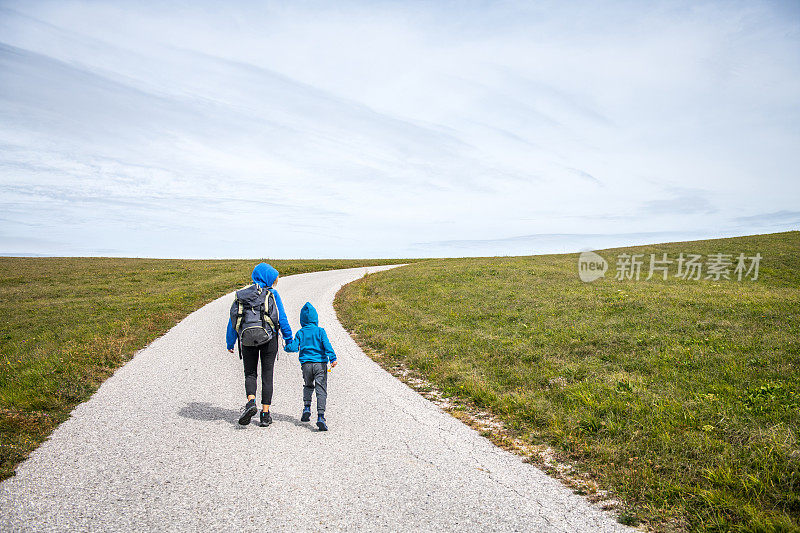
(306, 416)
(321, 423)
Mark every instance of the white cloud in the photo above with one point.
(364, 128)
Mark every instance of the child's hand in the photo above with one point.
(333, 364)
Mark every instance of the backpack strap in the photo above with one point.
(266, 316)
(238, 324)
(239, 315)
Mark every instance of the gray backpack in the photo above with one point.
(254, 315)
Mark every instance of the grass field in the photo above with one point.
(68, 323)
(680, 396)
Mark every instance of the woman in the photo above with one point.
(274, 318)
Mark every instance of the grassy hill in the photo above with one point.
(68, 323)
(682, 396)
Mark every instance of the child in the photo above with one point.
(315, 352)
(261, 293)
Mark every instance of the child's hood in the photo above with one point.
(308, 315)
(264, 274)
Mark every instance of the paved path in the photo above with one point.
(157, 448)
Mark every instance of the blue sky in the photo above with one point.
(393, 129)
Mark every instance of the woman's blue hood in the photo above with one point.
(308, 315)
(264, 275)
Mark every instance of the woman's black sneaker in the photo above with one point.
(248, 411)
(266, 419)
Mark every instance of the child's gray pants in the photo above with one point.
(315, 377)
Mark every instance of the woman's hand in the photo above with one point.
(333, 364)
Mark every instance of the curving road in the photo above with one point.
(158, 448)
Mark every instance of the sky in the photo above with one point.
(393, 129)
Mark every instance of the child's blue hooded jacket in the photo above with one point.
(311, 340)
(264, 275)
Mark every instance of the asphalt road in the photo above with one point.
(158, 448)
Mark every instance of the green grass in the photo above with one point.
(682, 397)
(68, 323)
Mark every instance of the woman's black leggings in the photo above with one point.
(250, 356)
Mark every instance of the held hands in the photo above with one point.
(333, 364)
(230, 350)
